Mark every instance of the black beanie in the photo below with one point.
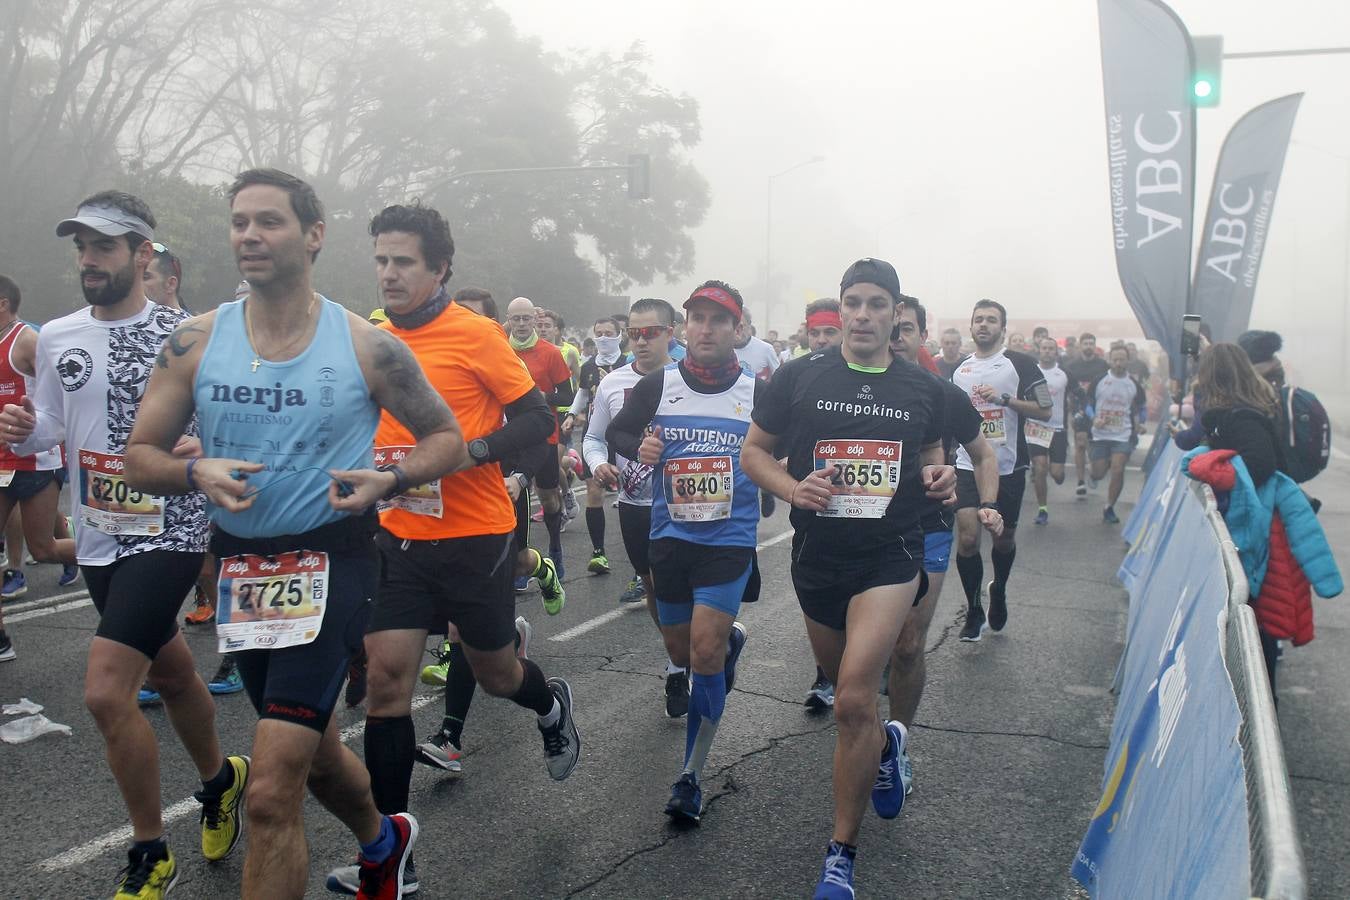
(1260, 345)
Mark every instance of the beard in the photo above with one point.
(988, 343)
(114, 291)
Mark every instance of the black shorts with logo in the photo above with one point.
(466, 580)
(826, 583)
(1011, 487)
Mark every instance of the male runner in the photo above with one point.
(863, 432)
(649, 326)
(1085, 367)
(951, 353)
(688, 420)
(139, 553)
(550, 327)
(288, 387)
(163, 278)
(554, 378)
(1117, 404)
(607, 358)
(907, 673)
(1006, 387)
(1047, 442)
(757, 357)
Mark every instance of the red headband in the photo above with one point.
(718, 296)
(823, 319)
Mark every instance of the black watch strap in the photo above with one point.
(400, 479)
(993, 506)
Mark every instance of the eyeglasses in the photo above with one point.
(650, 332)
(520, 319)
(173, 260)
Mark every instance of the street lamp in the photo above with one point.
(768, 236)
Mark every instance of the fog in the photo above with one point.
(965, 143)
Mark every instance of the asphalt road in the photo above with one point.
(1008, 749)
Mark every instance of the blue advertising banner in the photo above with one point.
(1172, 820)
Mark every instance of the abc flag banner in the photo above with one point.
(1238, 219)
(1150, 136)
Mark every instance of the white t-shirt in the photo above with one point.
(1058, 381)
(90, 376)
(758, 359)
(635, 479)
(1114, 402)
(1007, 372)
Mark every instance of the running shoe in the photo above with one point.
(204, 614)
(347, 879)
(145, 878)
(69, 575)
(222, 816)
(1092, 483)
(356, 681)
(1042, 517)
(538, 515)
(974, 626)
(906, 772)
(735, 644)
(821, 695)
(522, 584)
(6, 648)
(767, 504)
(15, 585)
(439, 673)
(439, 752)
(562, 741)
(888, 791)
(599, 564)
(1081, 490)
(524, 631)
(385, 880)
(29, 559)
(998, 606)
(570, 507)
(148, 696)
(677, 694)
(636, 592)
(1109, 516)
(836, 877)
(686, 800)
(550, 585)
(555, 554)
(226, 680)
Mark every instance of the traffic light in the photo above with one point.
(639, 176)
(1205, 78)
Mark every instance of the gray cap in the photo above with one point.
(104, 219)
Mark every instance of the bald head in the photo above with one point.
(520, 318)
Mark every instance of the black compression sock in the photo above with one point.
(1003, 563)
(390, 744)
(553, 522)
(971, 569)
(459, 688)
(533, 692)
(595, 525)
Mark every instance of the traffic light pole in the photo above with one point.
(1268, 54)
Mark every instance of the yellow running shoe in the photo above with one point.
(145, 879)
(440, 673)
(222, 817)
(550, 585)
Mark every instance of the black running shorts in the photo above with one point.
(827, 583)
(635, 524)
(138, 597)
(1010, 490)
(25, 485)
(1058, 451)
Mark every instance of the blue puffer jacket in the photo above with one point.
(1248, 518)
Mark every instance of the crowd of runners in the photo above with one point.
(335, 491)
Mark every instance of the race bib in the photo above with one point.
(993, 427)
(108, 504)
(6, 477)
(1111, 420)
(1038, 433)
(866, 475)
(267, 603)
(699, 488)
(422, 500)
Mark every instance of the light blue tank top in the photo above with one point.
(314, 410)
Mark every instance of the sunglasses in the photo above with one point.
(173, 260)
(650, 333)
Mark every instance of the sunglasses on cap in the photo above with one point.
(650, 332)
(162, 250)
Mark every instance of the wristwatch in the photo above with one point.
(993, 506)
(1006, 399)
(478, 449)
(400, 480)
(521, 479)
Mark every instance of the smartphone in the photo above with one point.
(1190, 336)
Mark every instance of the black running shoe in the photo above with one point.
(998, 606)
(821, 695)
(974, 626)
(677, 694)
(686, 800)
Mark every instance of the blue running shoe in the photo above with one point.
(226, 680)
(147, 696)
(69, 575)
(888, 792)
(15, 585)
(836, 877)
(522, 584)
(735, 644)
(686, 800)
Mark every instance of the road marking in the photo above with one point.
(188, 806)
(605, 618)
(45, 601)
(49, 610)
(1339, 453)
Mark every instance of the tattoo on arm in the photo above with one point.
(407, 395)
(180, 341)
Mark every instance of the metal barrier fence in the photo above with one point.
(1277, 869)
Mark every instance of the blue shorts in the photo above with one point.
(937, 551)
(1107, 449)
(686, 575)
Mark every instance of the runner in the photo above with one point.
(649, 326)
(907, 672)
(690, 419)
(863, 432)
(448, 546)
(550, 327)
(139, 553)
(951, 353)
(1047, 443)
(294, 522)
(1006, 387)
(1117, 404)
(1085, 367)
(552, 376)
(607, 358)
(163, 278)
(757, 357)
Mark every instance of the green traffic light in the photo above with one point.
(1203, 89)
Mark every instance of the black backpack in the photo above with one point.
(1307, 433)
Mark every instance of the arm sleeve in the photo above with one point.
(50, 428)
(528, 421)
(1031, 381)
(580, 403)
(772, 410)
(624, 433)
(593, 447)
(563, 388)
(527, 460)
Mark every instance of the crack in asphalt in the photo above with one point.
(942, 638)
(1016, 734)
(1320, 780)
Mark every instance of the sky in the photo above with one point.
(965, 142)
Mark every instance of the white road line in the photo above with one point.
(1339, 453)
(49, 611)
(605, 618)
(188, 806)
(44, 601)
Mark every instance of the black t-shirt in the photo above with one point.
(1083, 372)
(588, 379)
(945, 369)
(817, 402)
(963, 426)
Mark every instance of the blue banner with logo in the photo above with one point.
(1150, 512)
(1172, 820)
